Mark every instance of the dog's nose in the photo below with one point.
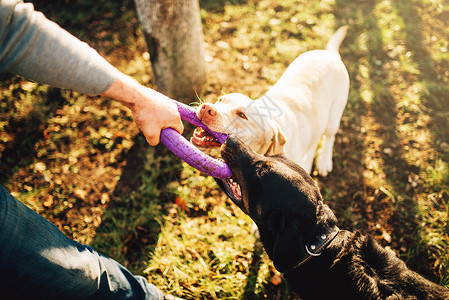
(208, 110)
(233, 141)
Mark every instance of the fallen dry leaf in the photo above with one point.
(47, 201)
(80, 194)
(276, 280)
(104, 198)
(181, 203)
(40, 167)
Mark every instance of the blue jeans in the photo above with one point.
(37, 261)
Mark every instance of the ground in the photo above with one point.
(81, 162)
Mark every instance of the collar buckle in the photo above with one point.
(317, 243)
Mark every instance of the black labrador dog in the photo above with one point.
(300, 234)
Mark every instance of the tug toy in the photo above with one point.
(182, 148)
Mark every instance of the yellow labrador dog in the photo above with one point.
(302, 110)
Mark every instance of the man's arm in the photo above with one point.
(38, 49)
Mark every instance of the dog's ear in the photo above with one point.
(283, 243)
(288, 249)
(278, 140)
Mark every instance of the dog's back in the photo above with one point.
(313, 70)
(313, 93)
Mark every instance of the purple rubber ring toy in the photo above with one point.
(182, 148)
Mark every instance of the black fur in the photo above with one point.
(287, 207)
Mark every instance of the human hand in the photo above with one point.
(152, 111)
(155, 114)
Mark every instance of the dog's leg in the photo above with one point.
(324, 157)
(324, 154)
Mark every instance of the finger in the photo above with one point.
(154, 141)
(179, 127)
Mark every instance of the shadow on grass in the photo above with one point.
(400, 211)
(130, 226)
(27, 131)
(435, 100)
(254, 268)
(437, 97)
(270, 290)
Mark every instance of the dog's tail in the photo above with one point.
(336, 40)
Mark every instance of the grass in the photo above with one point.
(80, 162)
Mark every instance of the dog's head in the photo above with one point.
(237, 114)
(281, 198)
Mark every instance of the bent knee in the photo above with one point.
(77, 269)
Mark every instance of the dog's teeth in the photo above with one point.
(205, 138)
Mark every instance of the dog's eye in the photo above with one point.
(241, 115)
(263, 169)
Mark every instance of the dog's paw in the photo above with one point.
(323, 166)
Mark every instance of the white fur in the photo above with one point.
(301, 110)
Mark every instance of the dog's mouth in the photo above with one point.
(232, 186)
(232, 189)
(203, 139)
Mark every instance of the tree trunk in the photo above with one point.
(174, 38)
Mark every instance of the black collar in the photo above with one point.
(316, 242)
